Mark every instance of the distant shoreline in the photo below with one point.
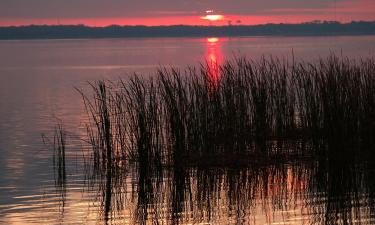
(326, 28)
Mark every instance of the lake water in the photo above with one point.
(37, 90)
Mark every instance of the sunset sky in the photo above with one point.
(191, 12)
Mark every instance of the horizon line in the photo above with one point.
(191, 25)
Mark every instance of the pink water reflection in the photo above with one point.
(214, 57)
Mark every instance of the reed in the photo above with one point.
(245, 109)
(58, 145)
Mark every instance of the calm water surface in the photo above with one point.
(37, 80)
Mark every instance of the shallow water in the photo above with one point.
(37, 80)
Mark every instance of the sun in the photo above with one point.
(213, 17)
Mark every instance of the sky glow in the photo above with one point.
(192, 12)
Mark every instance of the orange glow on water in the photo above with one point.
(214, 59)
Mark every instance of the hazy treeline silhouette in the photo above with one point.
(114, 31)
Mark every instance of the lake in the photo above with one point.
(37, 91)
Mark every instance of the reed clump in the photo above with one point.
(244, 108)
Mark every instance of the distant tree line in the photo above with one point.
(314, 28)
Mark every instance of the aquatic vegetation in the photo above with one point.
(250, 109)
(58, 145)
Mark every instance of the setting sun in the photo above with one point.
(212, 40)
(213, 17)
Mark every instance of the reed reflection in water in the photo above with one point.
(332, 191)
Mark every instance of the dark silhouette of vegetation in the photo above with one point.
(80, 31)
(184, 117)
(58, 145)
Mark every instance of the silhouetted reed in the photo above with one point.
(270, 174)
(252, 108)
(58, 145)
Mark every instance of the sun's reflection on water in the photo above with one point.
(214, 58)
